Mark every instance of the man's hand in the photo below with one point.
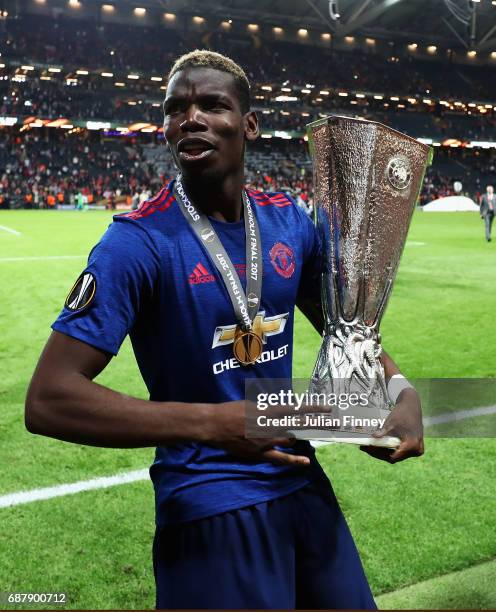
(405, 422)
(262, 449)
(227, 431)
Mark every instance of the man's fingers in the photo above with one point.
(409, 447)
(387, 430)
(378, 452)
(281, 458)
(283, 442)
(380, 433)
(399, 430)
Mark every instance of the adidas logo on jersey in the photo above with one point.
(201, 275)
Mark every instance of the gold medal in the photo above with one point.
(247, 346)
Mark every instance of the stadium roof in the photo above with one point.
(455, 24)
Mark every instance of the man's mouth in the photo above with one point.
(194, 149)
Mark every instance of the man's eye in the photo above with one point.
(214, 105)
(173, 109)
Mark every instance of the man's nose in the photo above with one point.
(193, 120)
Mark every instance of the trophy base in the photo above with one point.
(313, 435)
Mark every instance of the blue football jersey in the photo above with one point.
(150, 277)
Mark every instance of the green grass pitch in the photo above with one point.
(413, 522)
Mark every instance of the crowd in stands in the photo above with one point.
(41, 173)
(44, 168)
(74, 44)
(436, 185)
(90, 100)
(113, 46)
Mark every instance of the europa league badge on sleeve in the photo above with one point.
(367, 179)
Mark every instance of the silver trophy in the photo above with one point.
(367, 179)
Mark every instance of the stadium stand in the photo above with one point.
(33, 167)
(112, 46)
(52, 75)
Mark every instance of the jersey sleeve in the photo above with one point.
(118, 280)
(312, 258)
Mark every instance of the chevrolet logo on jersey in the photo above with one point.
(262, 326)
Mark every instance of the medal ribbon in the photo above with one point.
(245, 305)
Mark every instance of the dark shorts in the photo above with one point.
(292, 552)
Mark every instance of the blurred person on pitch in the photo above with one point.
(487, 209)
(241, 523)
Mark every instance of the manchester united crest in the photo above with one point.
(283, 260)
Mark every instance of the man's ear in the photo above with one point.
(252, 130)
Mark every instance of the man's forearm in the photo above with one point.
(87, 413)
(82, 411)
(407, 393)
(390, 368)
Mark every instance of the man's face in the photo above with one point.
(490, 190)
(204, 125)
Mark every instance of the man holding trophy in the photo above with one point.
(204, 278)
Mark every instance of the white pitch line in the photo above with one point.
(10, 230)
(41, 257)
(460, 415)
(26, 497)
(415, 243)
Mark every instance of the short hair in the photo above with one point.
(202, 58)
